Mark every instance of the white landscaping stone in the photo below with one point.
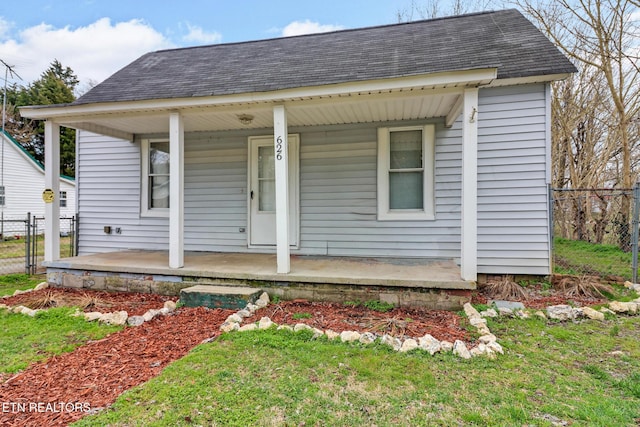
(29, 312)
(560, 312)
(460, 349)
(301, 327)
(391, 341)
(248, 327)
(495, 346)
(477, 320)
(446, 346)
(91, 316)
(349, 336)
(624, 307)
(18, 292)
(265, 323)
(263, 301)
(522, 314)
(408, 345)
(4, 306)
(170, 305)
(229, 326)
(135, 320)
(483, 329)
(429, 343)
(234, 318)
(470, 311)
(317, 333)
(605, 310)
(592, 314)
(284, 328)
(251, 307)
(489, 313)
(486, 339)
(244, 313)
(164, 311)
(150, 314)
(628, 284)
(332, 335)
(503, 311)
(116, 318)
(42, 285)
(367, 338)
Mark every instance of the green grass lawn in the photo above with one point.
(16, 248)
(580, 257)
(586, 374)
(11, 282)
(24, 339)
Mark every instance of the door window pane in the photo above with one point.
(266, 179)
(158, 175)
(405, 190)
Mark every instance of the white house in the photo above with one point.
(426, 140)
(23, 179)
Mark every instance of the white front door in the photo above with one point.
(262, 191)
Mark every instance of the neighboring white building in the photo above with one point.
(23, 179)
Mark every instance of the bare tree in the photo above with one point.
(429, 9)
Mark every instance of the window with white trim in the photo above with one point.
(63, 199)
(406, 164)
(155, 177)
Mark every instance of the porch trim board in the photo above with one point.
(52, 183)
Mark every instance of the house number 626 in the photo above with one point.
(279, 148)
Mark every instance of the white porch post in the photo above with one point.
(469, 209)
(281, 147)
(52, 182)
(176, 190)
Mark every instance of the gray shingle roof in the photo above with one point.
(503, 39)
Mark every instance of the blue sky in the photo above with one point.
(97, 37)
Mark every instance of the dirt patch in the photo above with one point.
(135, 304)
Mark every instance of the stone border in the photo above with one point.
(487, 343)
(115, 318)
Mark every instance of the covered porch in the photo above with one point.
(401, 281)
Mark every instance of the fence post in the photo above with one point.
(27, 242)
(634, 235)
(551, 227)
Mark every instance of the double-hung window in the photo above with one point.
(406, 173)
(63, 199)
(155, 177)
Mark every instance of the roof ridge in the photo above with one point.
(344, 30)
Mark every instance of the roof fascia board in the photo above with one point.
(528, 80)
(446, 79)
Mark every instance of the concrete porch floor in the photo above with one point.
(388, 272)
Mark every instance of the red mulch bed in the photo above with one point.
(135, 304)
(95, 374)
(410, 322)
(539, 298)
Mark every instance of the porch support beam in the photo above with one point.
(469, 209)
(52, 183)
(176, 190)
(281, 150)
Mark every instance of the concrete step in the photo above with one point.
(219, 296)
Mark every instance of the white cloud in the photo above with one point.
(5, 26)
(297, 28)
(198, 35)
(93, 52)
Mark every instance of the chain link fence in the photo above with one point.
(22, 243)
(595, 232)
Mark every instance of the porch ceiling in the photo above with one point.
(322, 110)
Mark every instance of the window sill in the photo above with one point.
(406, 216)
(155, 213)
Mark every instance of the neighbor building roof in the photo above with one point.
(504, 40)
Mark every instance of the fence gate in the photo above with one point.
(595, 232)
(22, 243)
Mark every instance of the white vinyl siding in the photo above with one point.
(24, 183)
(338, 191)
(513, 224)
